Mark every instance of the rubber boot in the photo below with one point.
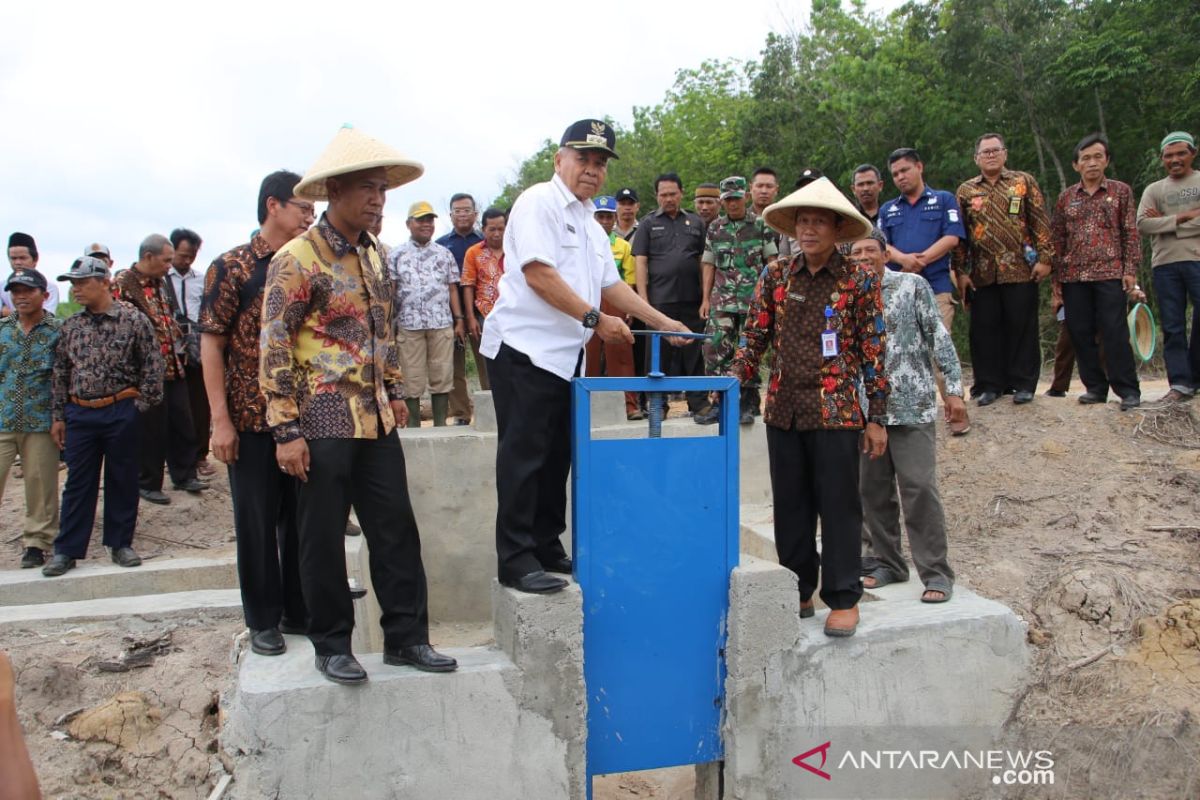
(414, 411)
(441, 404)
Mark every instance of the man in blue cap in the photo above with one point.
(27, 340)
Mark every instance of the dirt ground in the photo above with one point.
(1084, 520)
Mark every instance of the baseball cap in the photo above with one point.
(808, 176)
(606, 203)
(733, 187)
(26, 277)
(421, 209)
(627, 194)
(97, 249)
(590, 134)
(1174, 137)
(85, 267)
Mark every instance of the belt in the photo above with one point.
(104, 402)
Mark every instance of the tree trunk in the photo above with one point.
(1100, 111)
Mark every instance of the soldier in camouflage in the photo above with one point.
(739, 247)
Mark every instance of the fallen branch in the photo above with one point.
(1173, 528)
(1092, 659)
(165, 540)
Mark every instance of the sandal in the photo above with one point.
(882, 577)
(947, 593)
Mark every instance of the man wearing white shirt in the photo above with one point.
(23, 255)
(186, 290)
(533, 342)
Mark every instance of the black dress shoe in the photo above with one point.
(34, 557)
(1022, 397)
(125, 557)
(421, 656)
(1130, 402)
(562, 565)
(268, 642)
(536, 582)
(154, 496)
(193, 485)
(343, 669)
(1055, 393)
(710, 417)
(59, 564)
(1090, 399)
(986, 398)
(296, 628)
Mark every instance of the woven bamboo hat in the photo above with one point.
(1143, 333)
(351, 151)
(821, 193)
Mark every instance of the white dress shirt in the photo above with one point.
(189, 290)
(550, 225)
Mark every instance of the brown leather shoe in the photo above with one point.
(842, 622)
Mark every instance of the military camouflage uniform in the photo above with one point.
(739, 250)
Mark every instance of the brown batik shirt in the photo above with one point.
(147, 295)
(329, 364)
(808, 391)
(99, 355)
(232, 308)
(1095, 235)
(1001, 219)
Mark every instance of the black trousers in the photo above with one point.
(533, 459)
(814, 475)
(685, 361)
(268, 545)
(1099, 307)
(1005, 351)
(370, 474)
(99, 436)
(198, 405)
(168, 434)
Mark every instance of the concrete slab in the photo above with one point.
(229, 600)
(93, 579)
(405, 734)
(916, 675)
(758, 531)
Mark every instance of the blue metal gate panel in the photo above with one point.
(655, 536)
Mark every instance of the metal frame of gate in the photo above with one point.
(654, 537)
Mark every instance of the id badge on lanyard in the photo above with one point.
(829, 338)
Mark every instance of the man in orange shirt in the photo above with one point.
(483, 265)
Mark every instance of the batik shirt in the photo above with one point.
(26, 364)
(482, 269)
(1002, 219)
(1095, 236)
(808, 391)
(421, 276)
(915, 338)
(232, 308)
(147, 295)
(329, 364)
(99, 355)
(738, 250)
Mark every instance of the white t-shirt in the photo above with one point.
(550, 225)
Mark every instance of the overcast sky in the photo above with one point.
(127, 119)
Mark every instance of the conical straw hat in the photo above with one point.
(1143, 333)
(821, 193)
(351, 151)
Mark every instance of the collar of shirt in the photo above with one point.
(835, 264)
(145, 280)
(183, 276)
(13, 319)
(1079, 188)
(111, 311)
(336, 241)
(1005, 176)
(259, 246)
(926, 193)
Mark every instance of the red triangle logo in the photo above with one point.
(823, 749)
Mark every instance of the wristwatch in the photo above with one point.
(592, 318)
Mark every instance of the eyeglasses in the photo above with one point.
(991, 151)
(462, 211)
(308, 209)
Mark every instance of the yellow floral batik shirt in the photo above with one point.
(328, 364)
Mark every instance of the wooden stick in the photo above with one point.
(1181, 528)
